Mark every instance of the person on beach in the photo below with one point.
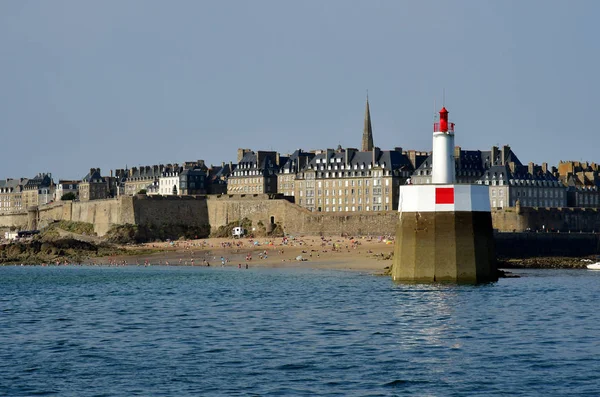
(240, 265)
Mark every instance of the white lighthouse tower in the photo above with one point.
(443, 150)
(444, 230)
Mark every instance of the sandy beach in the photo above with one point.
(361, 253)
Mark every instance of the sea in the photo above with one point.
(197, 331)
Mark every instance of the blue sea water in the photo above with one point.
(182, 331)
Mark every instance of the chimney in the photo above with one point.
(241, 153)
(398, 149)
(505, 152)
(230, 167)
(512, 167)
(277, 158)
(412, 157)
(111, 173)
(457, 152)
(530, 168)
(494, 155)
(376, 152)
(545, 167)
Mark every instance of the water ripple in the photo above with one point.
(162, 331)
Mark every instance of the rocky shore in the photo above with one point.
(546, 262)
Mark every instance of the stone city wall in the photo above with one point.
(543, 219)
(218, 210)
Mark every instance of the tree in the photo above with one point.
(142, 191)
(68, 196)
(174, 190)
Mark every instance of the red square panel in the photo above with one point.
(444, 195)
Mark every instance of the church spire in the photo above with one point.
(367, 138)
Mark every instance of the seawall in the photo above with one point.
(219, 210)
(527, 245)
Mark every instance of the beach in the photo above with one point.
(372, 254)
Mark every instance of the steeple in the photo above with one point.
(367, 138)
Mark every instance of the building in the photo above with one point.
(66, 186)
(93, 186)
(218, 176)
(291, 166)
(192, 181)
(183, 180)
(508, 179)
(256, 173)
(168, 182)
(11, 194)
(531, 185)
(346, 180)
(38, 190)
(142, 178)
(582, 181)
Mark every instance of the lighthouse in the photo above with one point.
(443, 150)
(444, 231)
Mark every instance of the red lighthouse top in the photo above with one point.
(443, 120)
(443, 125)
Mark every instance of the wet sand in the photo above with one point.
(362, 254)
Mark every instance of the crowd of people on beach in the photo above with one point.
(203, 252)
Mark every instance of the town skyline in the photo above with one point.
(113, 84)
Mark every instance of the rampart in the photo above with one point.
(219, 210)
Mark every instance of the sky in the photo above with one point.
(118, 83)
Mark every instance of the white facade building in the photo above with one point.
(168, 183)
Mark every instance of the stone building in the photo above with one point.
(346, 180)
(11, 194)
(218, 176)
(509, 180)
(192, 181)
(93, 186)
(582, 181)
(256, 173)
(66, 186)
(38, 190)
(531, 185)
(141, 178)
(291, 166)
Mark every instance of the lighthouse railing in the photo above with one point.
(436, 127)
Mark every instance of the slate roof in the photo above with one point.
(218, 173)
(250, 162)
(93, 176)
(40, 180)
(386, 159)
(12, 183)
(291, 162)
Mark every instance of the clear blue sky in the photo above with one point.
(138, 82)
